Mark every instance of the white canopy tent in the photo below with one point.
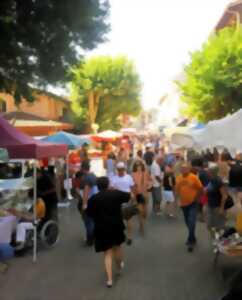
(223, 133)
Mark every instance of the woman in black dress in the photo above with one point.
(105, 209)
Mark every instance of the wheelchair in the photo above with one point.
(48, 235)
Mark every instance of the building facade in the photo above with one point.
(231, 15)
(46, 115)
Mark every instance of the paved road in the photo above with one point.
(157, 267)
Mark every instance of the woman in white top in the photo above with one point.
(124, 182)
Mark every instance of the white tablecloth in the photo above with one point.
(7, 226)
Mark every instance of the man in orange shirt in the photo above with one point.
(188, 189)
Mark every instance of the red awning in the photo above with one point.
(22, 146)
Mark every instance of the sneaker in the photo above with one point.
(122, 265)
(3, 267)
(109, 284)
(129, 242)
(89, 243)
(188, 243)
(120, 268)
(190, 248)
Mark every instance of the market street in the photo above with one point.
(157, 267)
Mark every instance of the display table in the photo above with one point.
(7, 226)
(230, 246)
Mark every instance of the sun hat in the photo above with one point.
(121, 165)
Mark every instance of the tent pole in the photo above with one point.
(69, 197)
(35, 213)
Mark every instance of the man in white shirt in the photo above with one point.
(157, 177)
(124, 182)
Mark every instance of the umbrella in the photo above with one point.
(129, 131)
(71, 140)
(107, 136)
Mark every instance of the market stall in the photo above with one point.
(129, 131)
(223, 133)
(21, 146)
(7, 223)
(107, 136)
(73, 142)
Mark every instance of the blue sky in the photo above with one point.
(158, 35)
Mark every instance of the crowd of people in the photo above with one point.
(207, 186)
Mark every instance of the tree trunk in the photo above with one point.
(91, 111)
(96, 104)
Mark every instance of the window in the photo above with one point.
(3, 106)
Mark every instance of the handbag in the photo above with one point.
(129, 210)
(229, 203)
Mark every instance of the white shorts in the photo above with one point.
(168, 196)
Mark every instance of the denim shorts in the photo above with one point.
(168, 196)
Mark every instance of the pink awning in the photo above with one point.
(22, 146)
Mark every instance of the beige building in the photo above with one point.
(46, 115)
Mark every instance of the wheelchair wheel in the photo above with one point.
(49, 234)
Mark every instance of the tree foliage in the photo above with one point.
(213, 84)
(41, 39)
(103, 88)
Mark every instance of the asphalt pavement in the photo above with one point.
(156, 267)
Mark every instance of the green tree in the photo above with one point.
(103, 88)
(213, 80)
(41, 39)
